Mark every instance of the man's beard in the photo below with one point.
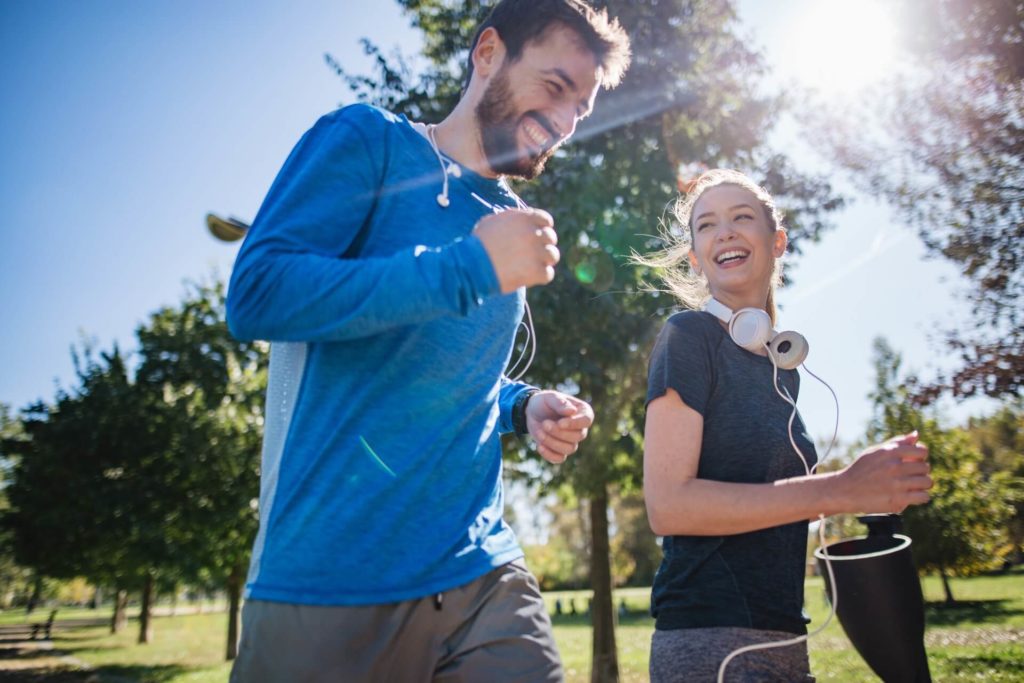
(498, 122)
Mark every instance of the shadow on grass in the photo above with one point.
(24, 654)
(968, 612)
(628, 619)
(156, 673)
(142, 673)
(44, 676)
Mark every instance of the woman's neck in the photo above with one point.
(736, 301)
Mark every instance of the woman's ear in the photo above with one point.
(489, 53)
(781, 240)
(694, 263)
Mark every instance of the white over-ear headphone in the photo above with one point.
(751, 328)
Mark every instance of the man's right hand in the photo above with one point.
(522, 246)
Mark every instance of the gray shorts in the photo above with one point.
(693, 655)
(493, 629)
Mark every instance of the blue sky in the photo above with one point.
(124, 123)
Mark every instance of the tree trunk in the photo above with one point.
(37, 593)
(97, 598)
(605, 662)
(145, 625)
(120, 618)
(235, 580)
(950, 600)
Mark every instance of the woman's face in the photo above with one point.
(733, 245)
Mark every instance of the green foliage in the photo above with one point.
(963, 529)
(554, 564)
(943, 142)
(1000, 439)
(70, 494)
(14, 578)
(210, 388)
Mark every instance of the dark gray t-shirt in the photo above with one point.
(756, 579)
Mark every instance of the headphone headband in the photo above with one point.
(719, 310)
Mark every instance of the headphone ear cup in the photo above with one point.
(788, 349)
(750, 328)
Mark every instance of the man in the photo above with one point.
(388, 266)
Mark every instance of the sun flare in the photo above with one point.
(840, 46)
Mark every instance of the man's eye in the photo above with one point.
(555, 87)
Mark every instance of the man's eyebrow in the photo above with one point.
(563, 75)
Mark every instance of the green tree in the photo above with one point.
(943, 143)
(1000, 439)
(211, 388)
(14, 578)
(962, 530)
(692, 98)
(70, 492)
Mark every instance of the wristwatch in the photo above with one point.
(519, 411)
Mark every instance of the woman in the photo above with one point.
(722, 481)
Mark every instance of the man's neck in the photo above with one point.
(458, 137)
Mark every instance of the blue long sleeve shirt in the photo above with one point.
(381, 466)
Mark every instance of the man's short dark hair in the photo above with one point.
(520, 21)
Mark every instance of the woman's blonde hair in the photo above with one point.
(691, 288)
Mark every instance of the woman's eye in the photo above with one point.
(748, 216)
(701, 226)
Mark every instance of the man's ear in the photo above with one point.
(489, 53)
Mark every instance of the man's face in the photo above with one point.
(533, 105)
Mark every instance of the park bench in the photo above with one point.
(45, 627)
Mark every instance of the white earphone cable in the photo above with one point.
(442, 198)
(531, 334)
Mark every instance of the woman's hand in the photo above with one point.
(886, 477)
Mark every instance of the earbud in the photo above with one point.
(453, 169)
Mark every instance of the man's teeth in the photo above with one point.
(535, 134)
(730, 255)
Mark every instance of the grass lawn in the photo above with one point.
(982, 639)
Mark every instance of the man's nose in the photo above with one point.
(565, 121)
